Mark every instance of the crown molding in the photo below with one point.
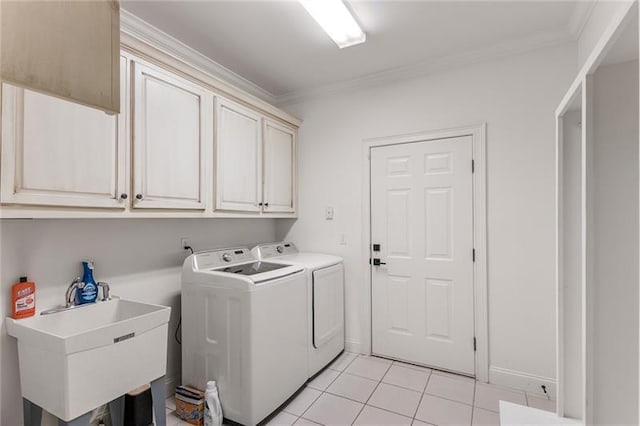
(142, 30)
(581, 15)
(420, 69)
(136, 27)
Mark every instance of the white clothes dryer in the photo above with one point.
(325, 280)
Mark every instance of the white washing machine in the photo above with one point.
(244, 325)
(325, 280)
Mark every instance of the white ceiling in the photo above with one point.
(279, 47)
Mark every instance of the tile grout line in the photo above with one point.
(449, 399)
(323, 392)
(386, 383)
(330, 383)
(473, 404)
(374, 391)
(421, 397)
(312, 402)
(404, 387)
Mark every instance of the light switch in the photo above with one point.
(328, 213)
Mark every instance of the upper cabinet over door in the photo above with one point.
(279, 167)
(68, 49)
(173, 120)
(239, 158)
(60, 153)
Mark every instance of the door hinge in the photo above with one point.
(475, 346)
(473, 166)
(473, 254)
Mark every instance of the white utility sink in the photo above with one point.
(75, 360)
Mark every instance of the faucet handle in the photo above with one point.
(106, 292)
(70, 296)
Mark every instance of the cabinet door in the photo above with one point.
(170, 128)
(279, 167)
(239, 158)
(60, 153)
(69, 49)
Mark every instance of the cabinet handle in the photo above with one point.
(266, 204)
(139, 196)
(260, 204)
(123, 196)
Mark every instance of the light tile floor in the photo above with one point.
(363, 390)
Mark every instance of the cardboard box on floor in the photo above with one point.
(190, 405)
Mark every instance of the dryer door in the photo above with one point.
(327, 304)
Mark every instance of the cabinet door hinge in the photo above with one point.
(475, 346)
(473, 166)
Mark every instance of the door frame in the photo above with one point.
(478, 136)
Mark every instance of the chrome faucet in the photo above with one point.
(70, 295)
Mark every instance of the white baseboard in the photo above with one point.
(515, 414)
(351, 345)
(522, 381)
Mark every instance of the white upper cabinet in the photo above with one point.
(60, 153)
(65, 48)
(238, 158)
(173, 121)
(279, 167)
(176, 149)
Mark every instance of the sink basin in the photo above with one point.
(76, 360)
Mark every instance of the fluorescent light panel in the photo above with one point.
(334, 17)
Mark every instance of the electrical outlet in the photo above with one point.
(184, 242)
(328, 213)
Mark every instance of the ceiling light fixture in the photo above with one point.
(334, 17)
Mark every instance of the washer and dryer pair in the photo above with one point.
(260, 323)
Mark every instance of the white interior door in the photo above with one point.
(422, 217)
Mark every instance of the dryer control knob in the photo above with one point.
(280, 249)
(226, 257)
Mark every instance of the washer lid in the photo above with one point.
(251, 268)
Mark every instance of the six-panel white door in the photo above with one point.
(421, 215)
(279, 167)
(172, 124)
(60, 153)
(239, 158)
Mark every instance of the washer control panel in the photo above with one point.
(216, 258)
(265, 251)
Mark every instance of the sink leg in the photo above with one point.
(116, 409)
(83, 420)
(159, 395)
(32, 413)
